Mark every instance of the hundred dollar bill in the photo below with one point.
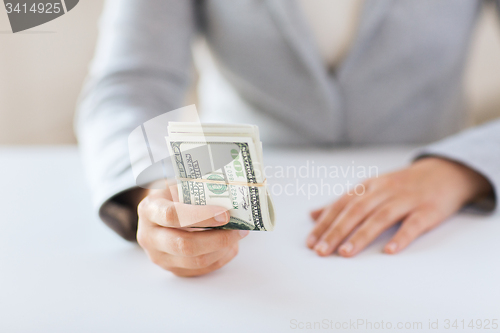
(222, 165)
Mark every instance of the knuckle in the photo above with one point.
(389, 181)
(321, 225)
(224, 239)
(336, 233)
(418, 224)
(383, 215)
(360, 190)
(201, 261)
(141, 207)
(218, 264)
(170, 213)
(370, 184)
(184, 246)
(340, 230)
(429, 206)
(362, 234)
(358, 208)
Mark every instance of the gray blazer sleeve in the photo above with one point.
(478, 148)
(141, 69)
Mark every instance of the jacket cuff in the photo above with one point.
(475, 152)
(121, 218)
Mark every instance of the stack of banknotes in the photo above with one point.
(222, 165)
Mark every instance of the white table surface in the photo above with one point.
(63, 270)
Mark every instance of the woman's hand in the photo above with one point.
(421, 196)
(183, 252)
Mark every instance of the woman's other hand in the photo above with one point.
(420, 196)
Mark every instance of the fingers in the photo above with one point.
(189, 253)
(185, 253)
(229, 255)
(168, 261)
(412, 227)
(346, 221)
(167, 213)
(422, 195)
(191, 244)
(324, 220)
(382, 218)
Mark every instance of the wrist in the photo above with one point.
(473, 184)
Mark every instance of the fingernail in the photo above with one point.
(322, 247)
(346, 248)
(311, 240)
(391, 247)
(222, 217)
(243, 233)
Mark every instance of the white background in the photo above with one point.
(62, 270)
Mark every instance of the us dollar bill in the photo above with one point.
(227, 161)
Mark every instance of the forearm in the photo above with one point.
(141, 70)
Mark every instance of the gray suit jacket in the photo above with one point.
(400, 83)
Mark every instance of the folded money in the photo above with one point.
(222, 165)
